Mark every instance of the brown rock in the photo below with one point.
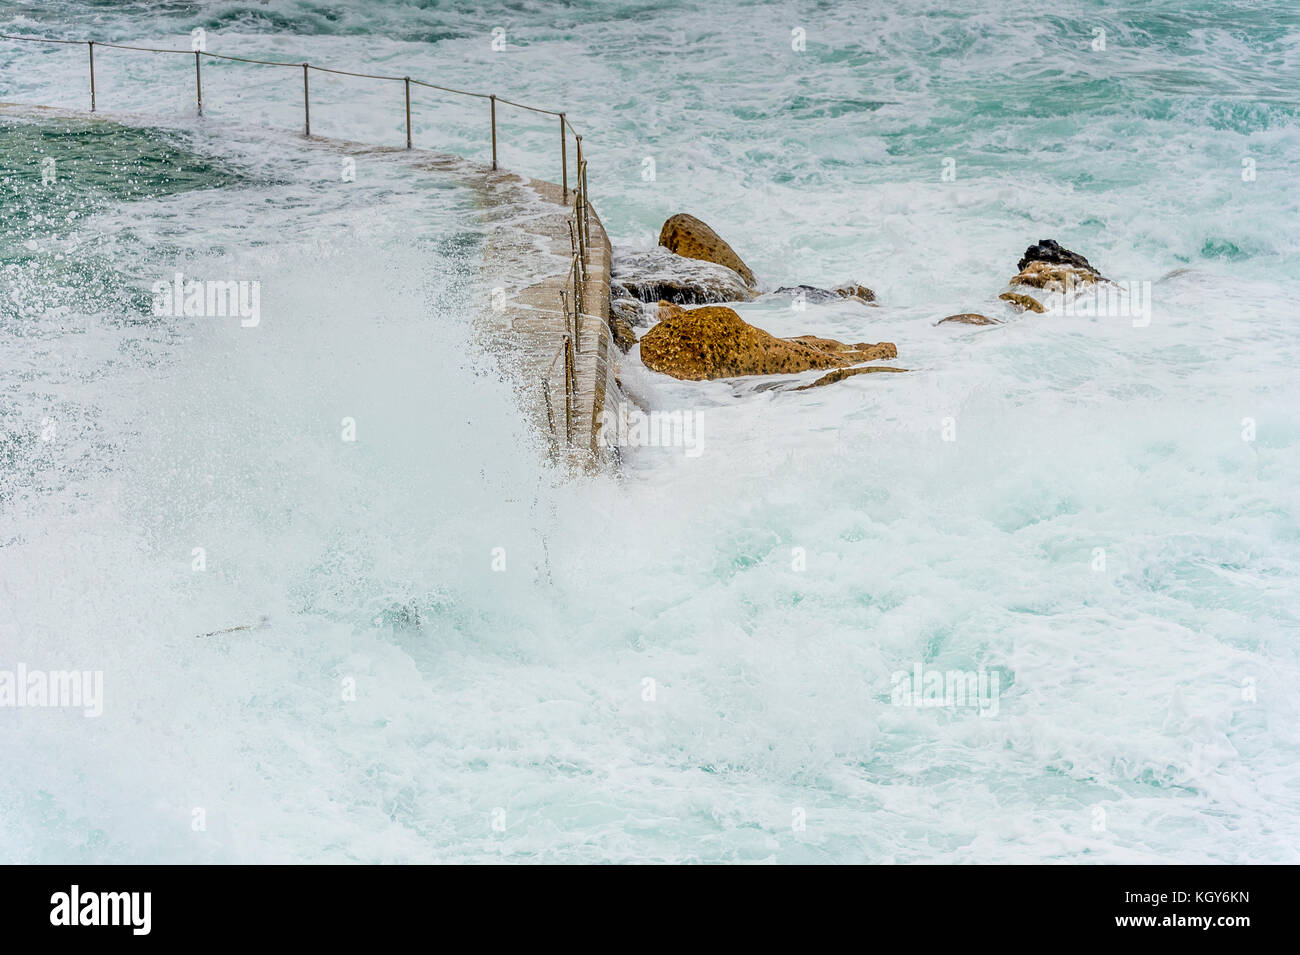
(854, 290)
(669, 310)
(1022, 302)
(840, 374)
(714, 342)
(969, 318)
(1054, 278)
(832, 347)
(688, 236)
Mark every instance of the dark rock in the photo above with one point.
(1051, 252)
(816, 295)
(622, 331)
(810, 293)
(634, 312)
(659, 275)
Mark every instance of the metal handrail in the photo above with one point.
(305, 67)
(579, 225)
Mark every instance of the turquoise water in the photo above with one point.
(1147, 710)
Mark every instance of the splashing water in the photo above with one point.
(694, 662)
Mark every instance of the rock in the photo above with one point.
(701, 344)
(811, 293)
(1052, 268)
(832, 347)
(1054, 278)
(658, 274)
(633, 311)
(854, 290)
(688, 236)
(969, 318)
(622, 331)
(1022, 302)
(841, 373)
(1052, 253)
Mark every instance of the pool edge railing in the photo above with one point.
(493, 99)
(573, 294)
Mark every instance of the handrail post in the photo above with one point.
(576, 263)
(564, 159)
(586, 205)
(575, 226)
(573, 365)
(408, 112)
(580, 201)
(582, 243)
(494, 131)
(579, 299)
(91, 44)
(550, 415)
(568, 391)
(575, 273)
(306, 104)
(198, 81)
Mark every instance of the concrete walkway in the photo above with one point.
(530, 234)
(521, 320)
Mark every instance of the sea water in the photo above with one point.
(342, 609)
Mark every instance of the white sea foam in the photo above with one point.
(671, 667)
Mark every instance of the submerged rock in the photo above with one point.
(849, 290)
(810, 293)
(660, 275)
(1022, 302)
(701, 344)
(1054, 278)
(854, 290)
(633, 313)
(841, 373)
(625, 314)
(1049, 266)
(623, 333)
(631, 310)
(969, 318)
(688, 236)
